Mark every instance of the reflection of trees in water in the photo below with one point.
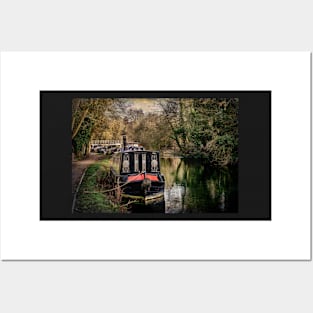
(174, 194)
(174, 199)
(219, 184)
(193, 186)
(170, 169)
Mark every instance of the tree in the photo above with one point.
(204, 128)
(93, 117)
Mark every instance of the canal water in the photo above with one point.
(194, 187)
(191, 186)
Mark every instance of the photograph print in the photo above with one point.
(157, 156)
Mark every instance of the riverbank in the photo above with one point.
(89, 199)
(92, 195)
(79, 167)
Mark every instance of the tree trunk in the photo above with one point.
(80, 123)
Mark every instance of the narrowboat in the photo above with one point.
(136, 173)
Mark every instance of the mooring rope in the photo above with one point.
(105, 191)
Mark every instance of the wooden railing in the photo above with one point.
(106, 142)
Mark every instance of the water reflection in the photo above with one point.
(174, 198)
(195, 187)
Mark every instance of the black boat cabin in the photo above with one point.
(138, 174)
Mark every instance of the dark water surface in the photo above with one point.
(191, 186)
(194, 187)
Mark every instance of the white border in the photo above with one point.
(287, 236)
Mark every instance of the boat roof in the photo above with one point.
(138, 150)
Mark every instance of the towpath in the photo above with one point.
(78, 168)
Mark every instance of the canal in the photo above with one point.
(191, 186)
(194, 187)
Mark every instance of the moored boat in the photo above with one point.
(137, 174)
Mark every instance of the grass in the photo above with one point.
(90, 197)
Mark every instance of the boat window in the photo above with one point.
(125, 164)
(154, 162)
(143, 162)
(136, 162)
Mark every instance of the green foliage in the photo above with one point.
(196, 127)
(205, 128)
(81, 141)
(104, 121)
(91, 198)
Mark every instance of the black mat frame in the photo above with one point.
(254, 185)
